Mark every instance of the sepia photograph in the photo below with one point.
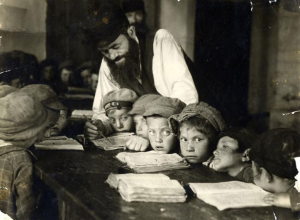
(149, 109)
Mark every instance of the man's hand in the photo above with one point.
(137, 143)
(92, 129)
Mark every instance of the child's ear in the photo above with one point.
(246, 157)
(131, 32)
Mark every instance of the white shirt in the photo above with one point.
(170, 72)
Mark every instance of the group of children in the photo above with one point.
(199, 133)
(166, 125)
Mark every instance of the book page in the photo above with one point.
(113, 179)
(148, 159)
(236, 200)
(223, 187)
(112, 142)
(59, 144)
(79, 113)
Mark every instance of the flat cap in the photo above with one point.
(139, 107)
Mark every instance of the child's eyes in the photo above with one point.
(112, 120)
(183, 139)
(124, 118)
(166, 133)
(198, 139)
(152, 133)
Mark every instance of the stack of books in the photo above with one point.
(115, 141)
(149, 162)
(147, 188)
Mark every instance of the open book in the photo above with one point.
(80, 114)
(113, 179)
(148, 162)
(148, 188)
(58, 143)
(232, 194)
(113, 142)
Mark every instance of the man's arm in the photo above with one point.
(172, 77)
(99, 121)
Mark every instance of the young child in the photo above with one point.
(141, 141)
(23, 121)
(199, 124)
(49, 99)
(232, 153)
(117, 104)
(161, 136)
(274, 167)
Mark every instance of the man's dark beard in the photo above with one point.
(126, 73)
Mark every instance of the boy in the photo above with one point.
(199, 123)
(141, 141)
(161, 136)
(232, 153)
(274, 167)
(29, 123)
(117, 104)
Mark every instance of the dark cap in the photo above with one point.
(133, 5)
(118, 99)
(275, 151)
(139, 107)
(105, 25)
(164, 106)
(244, 137)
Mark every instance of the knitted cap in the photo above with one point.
(244, 137)
(118, 99)
(164, 106)
(21, 117)
(203, 109)
(5, 90)
(139, 107)
(44, 94)
(133, 5)
(105, 25)
(275, 150)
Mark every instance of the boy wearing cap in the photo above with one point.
(232, 153)
(274, 167)
(162, 138)
(117, 104)
(17, 134)
(152, 63)
(199, 124)
(141, 141)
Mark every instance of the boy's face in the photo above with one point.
(226, 155)
(120, 120)
(194, 145)
(141, 127)
(66, 76)
(160, 135)
(86, 77)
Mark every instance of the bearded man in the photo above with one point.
(152, 64)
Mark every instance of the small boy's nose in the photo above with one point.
(119, 124)
(190, 148)
(158, 138)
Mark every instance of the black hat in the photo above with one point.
(105, 25)
(275, 151)
(133, 5)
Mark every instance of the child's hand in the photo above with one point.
(278, 199)
(137, 143)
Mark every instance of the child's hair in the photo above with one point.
(275, 151)
(202, 125)
(243, 136)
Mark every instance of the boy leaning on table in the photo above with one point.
(141, 141)
(274, 167)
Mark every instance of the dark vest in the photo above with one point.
(146, 49)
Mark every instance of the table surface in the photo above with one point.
(79, 177)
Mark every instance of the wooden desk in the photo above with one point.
(77, 179)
